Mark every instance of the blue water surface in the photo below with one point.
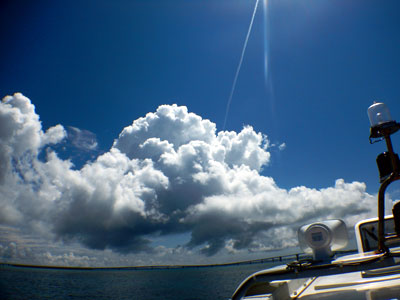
(205, 283)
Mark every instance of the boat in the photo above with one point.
(372, 273)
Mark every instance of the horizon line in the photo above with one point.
(160, 267)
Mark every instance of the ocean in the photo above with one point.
(191, 283)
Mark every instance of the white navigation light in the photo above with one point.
(322, 238)
(382, 125)
(378, 114)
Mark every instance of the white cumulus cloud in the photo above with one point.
(169, 172)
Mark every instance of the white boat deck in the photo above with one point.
(356, 285)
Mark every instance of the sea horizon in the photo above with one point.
(271, 259)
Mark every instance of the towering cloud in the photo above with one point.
(169, 172)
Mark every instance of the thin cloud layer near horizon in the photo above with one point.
(168, 173)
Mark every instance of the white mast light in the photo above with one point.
(382, 125)
(378, 114)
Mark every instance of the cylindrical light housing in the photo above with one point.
(378, 114)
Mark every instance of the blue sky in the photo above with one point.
(96, 66)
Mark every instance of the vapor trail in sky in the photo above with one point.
(240, 65)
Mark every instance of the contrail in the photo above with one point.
(240, 65)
